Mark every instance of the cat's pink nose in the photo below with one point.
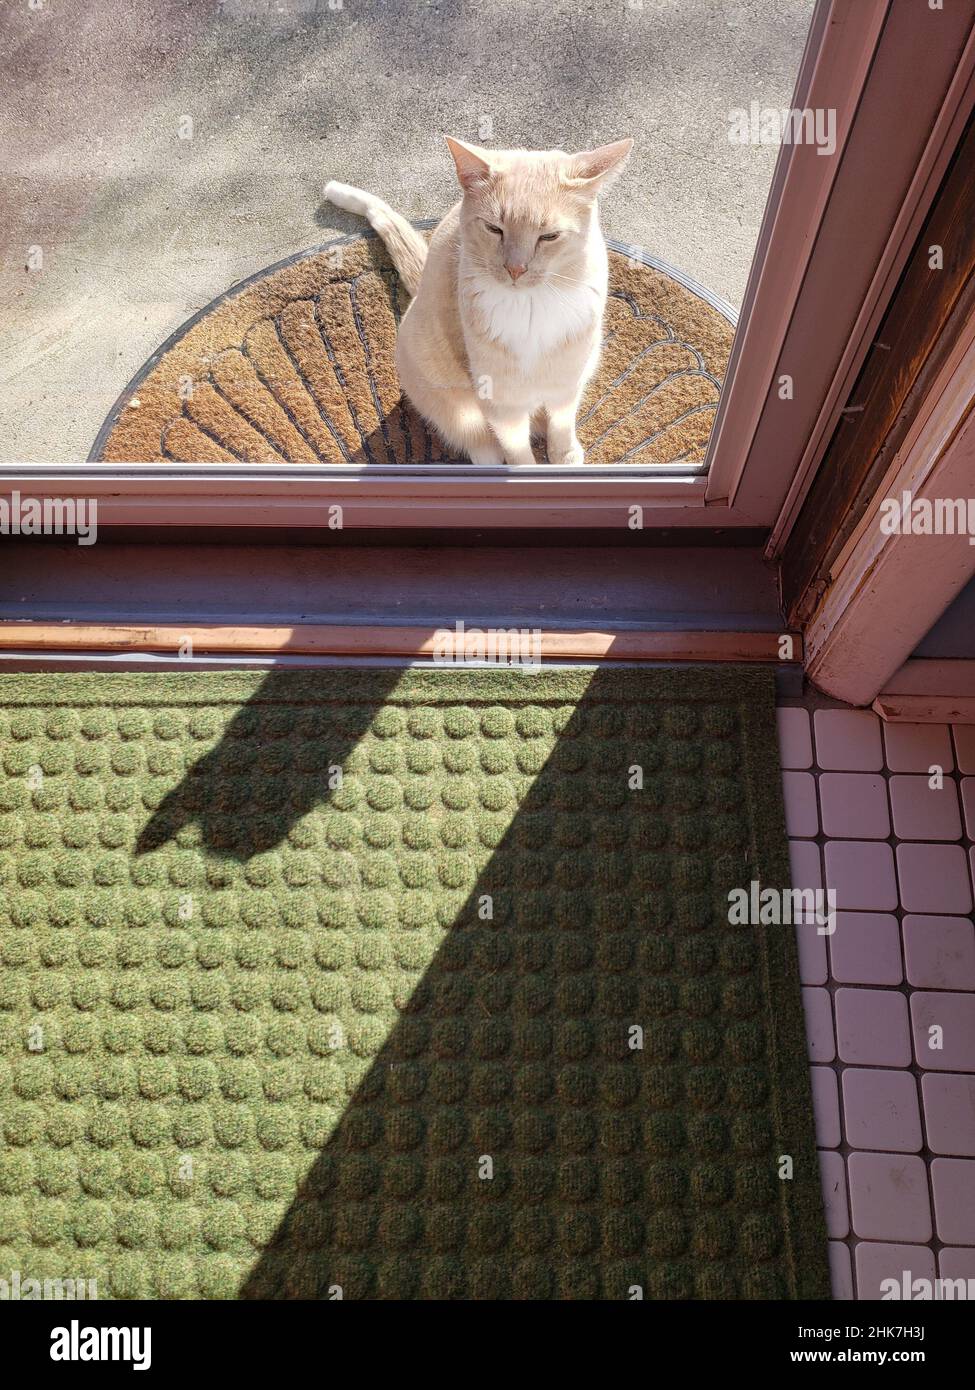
(516, 270)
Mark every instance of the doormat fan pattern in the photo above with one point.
(297, 366)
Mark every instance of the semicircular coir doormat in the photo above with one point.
(296, 365)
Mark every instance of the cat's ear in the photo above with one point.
(471, 162)
(591, 171)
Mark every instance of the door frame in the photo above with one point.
(761, 455)
(888, 589)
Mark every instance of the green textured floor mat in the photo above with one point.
(322, 984)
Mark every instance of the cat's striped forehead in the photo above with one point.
(528, 189)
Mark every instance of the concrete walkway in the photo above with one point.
(158, 153)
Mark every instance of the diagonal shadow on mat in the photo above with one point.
(250, 789)
(609, 1167)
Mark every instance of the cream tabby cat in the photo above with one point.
(508, 296)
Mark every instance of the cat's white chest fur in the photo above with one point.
(532, 321)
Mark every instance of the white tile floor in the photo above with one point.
(885, 816)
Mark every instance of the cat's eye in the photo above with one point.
(550, 236)
(496, 230)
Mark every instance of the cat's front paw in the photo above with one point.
(568, 457)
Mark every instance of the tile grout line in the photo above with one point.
(906, 987)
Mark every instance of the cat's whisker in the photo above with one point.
(557, 275)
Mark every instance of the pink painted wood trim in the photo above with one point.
(835, 66)
(957, 108)
(887, 591)
(925, 709)
(384, 641)
(929, 692)
(809, 330)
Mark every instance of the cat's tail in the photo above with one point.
(404, 243)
